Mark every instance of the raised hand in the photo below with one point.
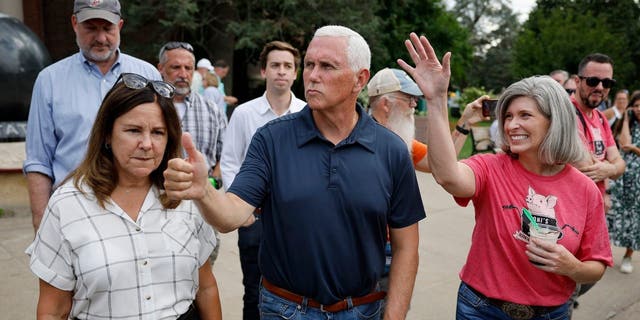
(431, 76)
(187, 178)
(472, 113)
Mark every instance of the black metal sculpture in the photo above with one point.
(22, 56)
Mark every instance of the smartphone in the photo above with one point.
(489, 107)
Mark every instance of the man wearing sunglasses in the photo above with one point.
(202, 118)
(595, 79)
(66, 97)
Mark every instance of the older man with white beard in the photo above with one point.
(393, 97)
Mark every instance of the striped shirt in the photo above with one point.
(118, 268)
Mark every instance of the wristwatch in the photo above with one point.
(462, 130)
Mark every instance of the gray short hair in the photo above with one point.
(358, 52)
(562, 144)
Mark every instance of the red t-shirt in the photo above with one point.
(497, 264)
(598, 135)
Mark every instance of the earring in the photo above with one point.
(107, 146)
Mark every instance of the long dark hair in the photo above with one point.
(617, 127)
(98, 168)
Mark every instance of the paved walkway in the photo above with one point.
(445, 236)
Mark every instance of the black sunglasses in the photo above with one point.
(593, 81)
(570, 91)
(136, 82)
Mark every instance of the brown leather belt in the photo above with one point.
(515, 310)
(336, 307)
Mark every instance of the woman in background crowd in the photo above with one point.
(624, 216)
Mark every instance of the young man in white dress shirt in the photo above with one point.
(279, 63)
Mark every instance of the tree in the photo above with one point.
(559, 33)
(428, 18)
(492, 26)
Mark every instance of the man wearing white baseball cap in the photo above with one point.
(66, 97)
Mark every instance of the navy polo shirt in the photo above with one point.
(325, 207)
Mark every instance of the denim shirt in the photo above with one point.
(64, 103)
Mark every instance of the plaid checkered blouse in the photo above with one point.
(118, 268)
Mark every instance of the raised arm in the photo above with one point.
(433, 80)
(187, 179)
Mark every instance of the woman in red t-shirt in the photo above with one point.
(507, 275)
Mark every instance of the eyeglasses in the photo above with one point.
(570, 91)
(136, 82)
(409, 99)
(593, 81)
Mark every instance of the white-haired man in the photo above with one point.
(393, 96)
(322, 251)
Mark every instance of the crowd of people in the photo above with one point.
(132, 170)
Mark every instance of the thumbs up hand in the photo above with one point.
(187, 178)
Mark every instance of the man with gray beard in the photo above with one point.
(201, 117)
(66, 97)
(393, 97)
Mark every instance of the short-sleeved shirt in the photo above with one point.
(497, 264)
(597, 137)
(325, 207)
(245, 121)
(118, 268)
(64, 103)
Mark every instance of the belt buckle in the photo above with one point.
(518, 311)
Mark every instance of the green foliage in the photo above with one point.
(492, 27)
(264, 21)
(559, 33)
(471, 93)
(427, 18)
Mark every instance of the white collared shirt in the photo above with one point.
(245, 121)
(118, 268)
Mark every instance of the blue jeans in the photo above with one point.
(273, 307)
(472, 307)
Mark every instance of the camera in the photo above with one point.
(489, 107)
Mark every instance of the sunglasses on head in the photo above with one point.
(593, 81)
(136, 82)
(175, 45)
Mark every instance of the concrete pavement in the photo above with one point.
(445, 238)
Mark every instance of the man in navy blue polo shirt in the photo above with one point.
(328, 179)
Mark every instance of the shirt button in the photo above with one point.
(145, 263)
(138, 229)
(148, 297)
(334, 170)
